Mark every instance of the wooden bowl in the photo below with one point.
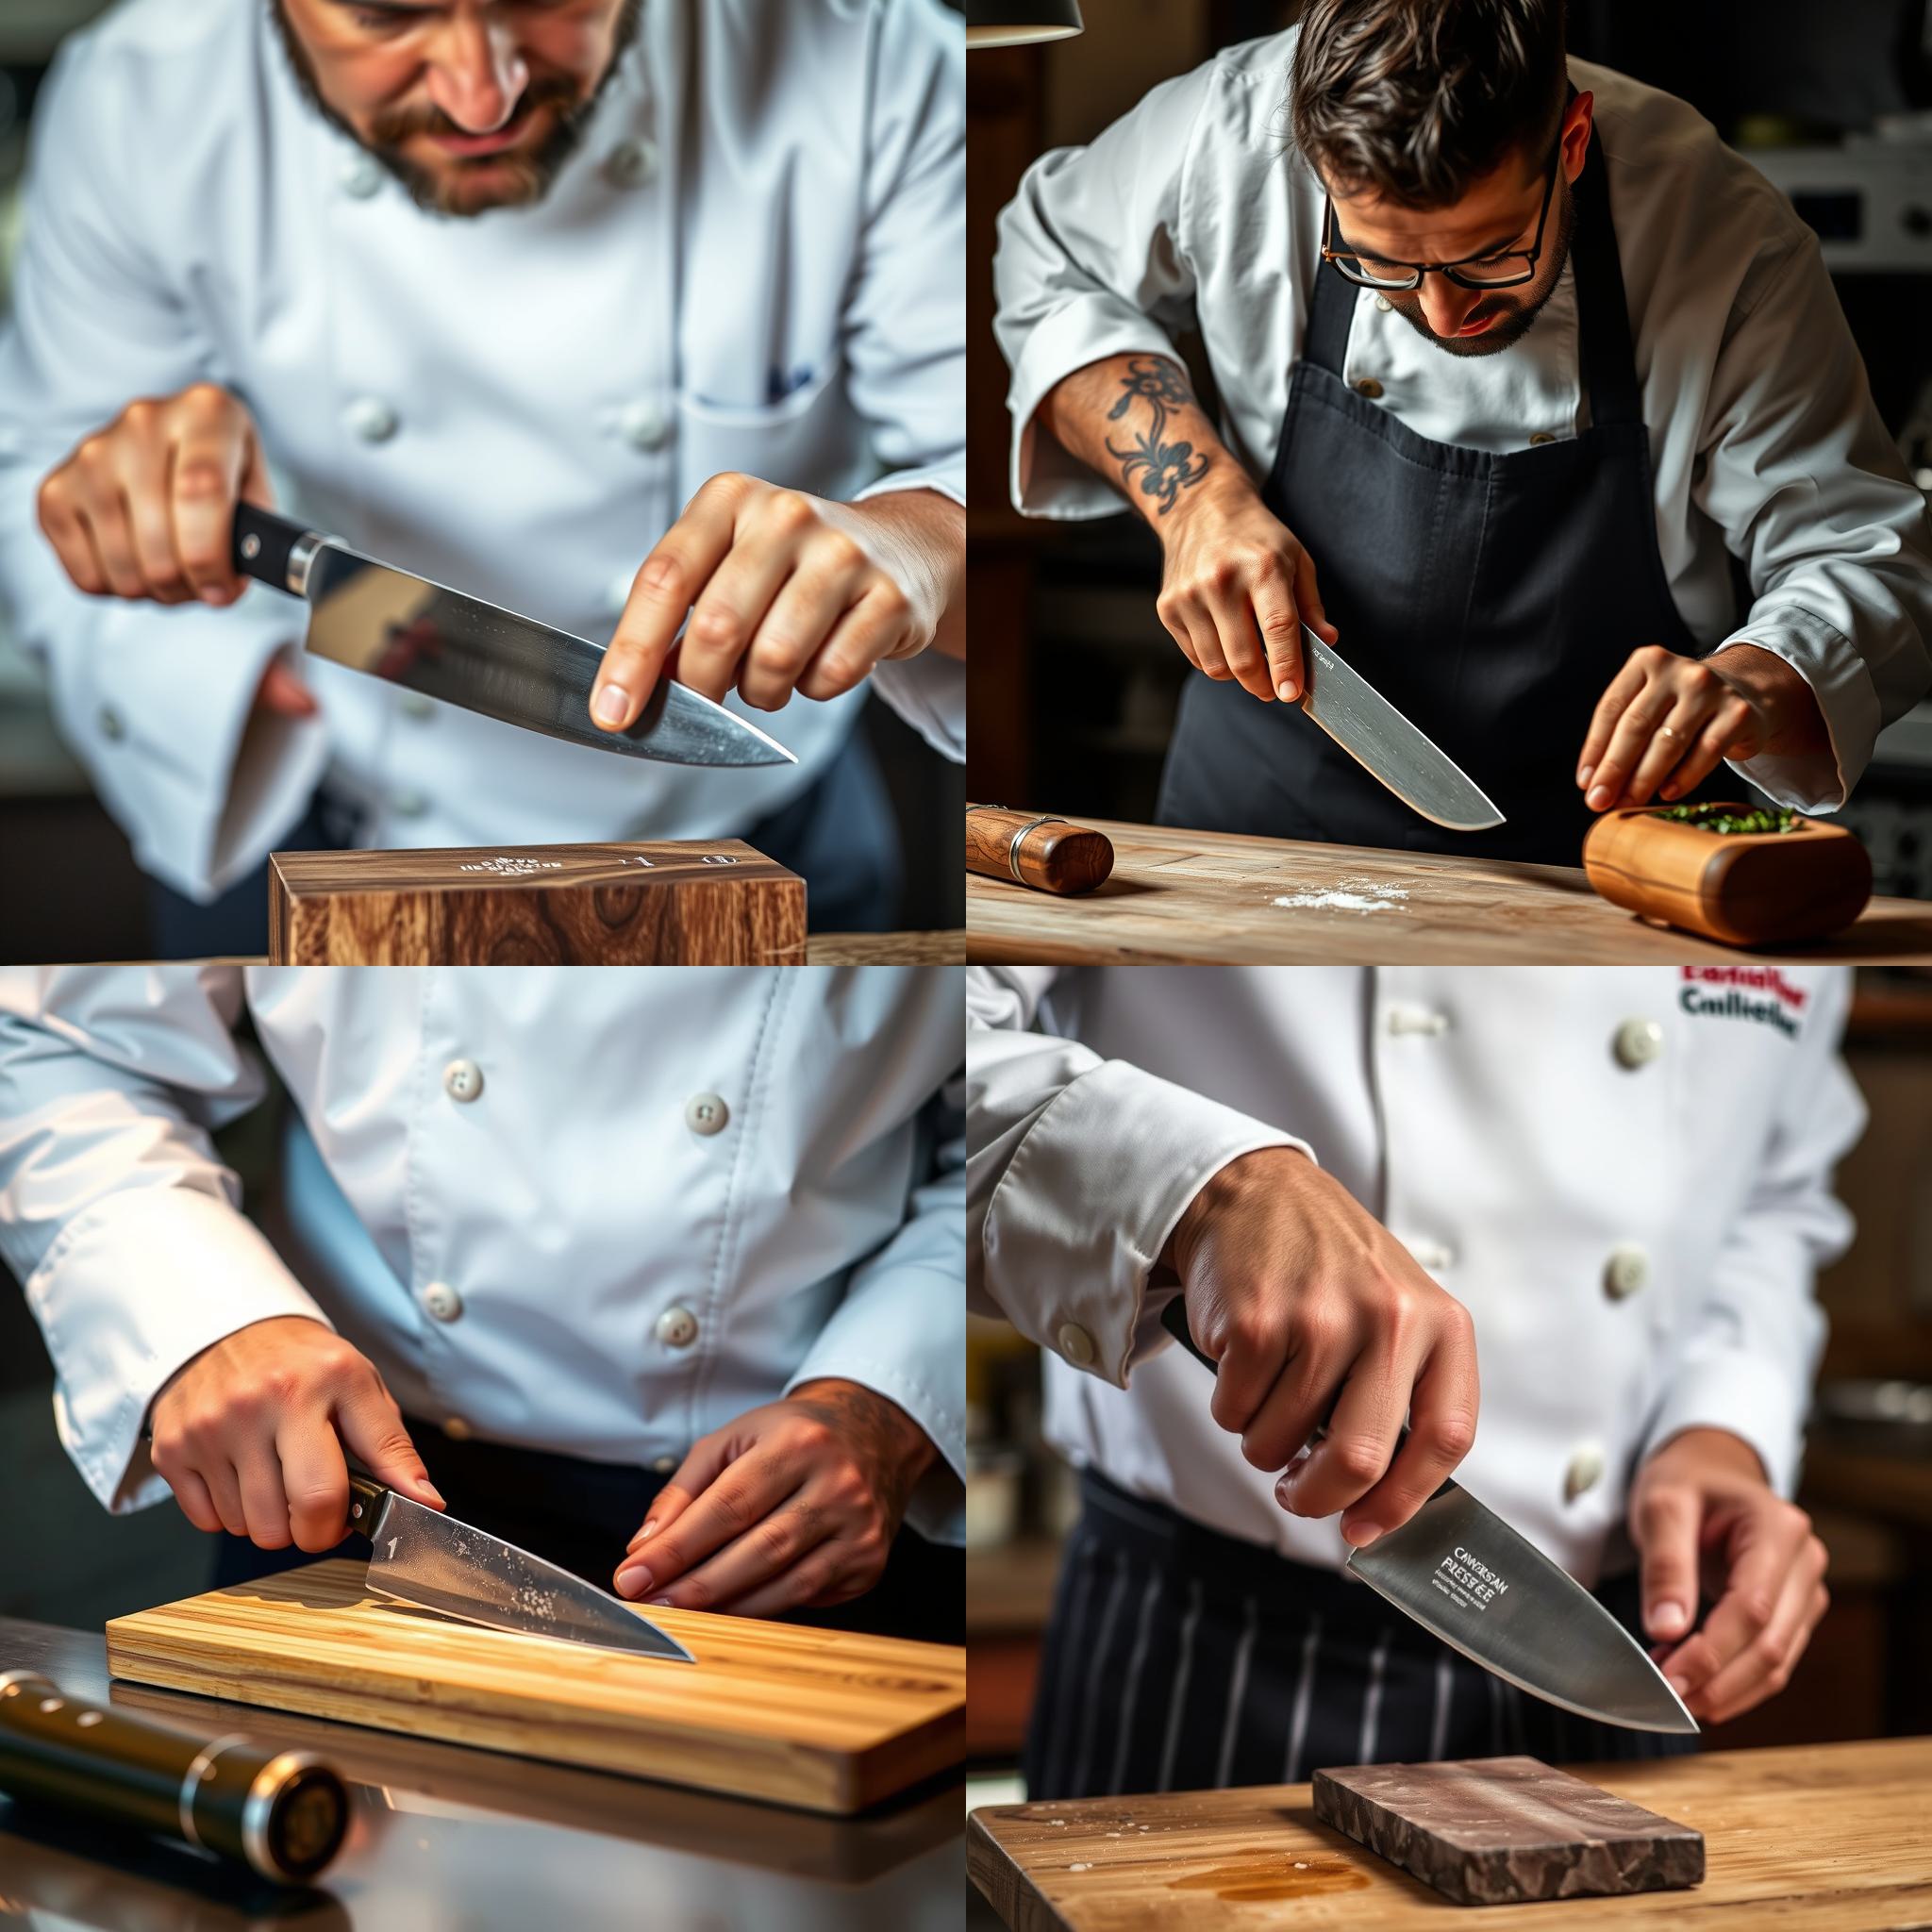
(1745, 888)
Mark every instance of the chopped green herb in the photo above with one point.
(1721, 818)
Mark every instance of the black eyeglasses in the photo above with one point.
(1508, 269)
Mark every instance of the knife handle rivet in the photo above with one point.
(251, 548)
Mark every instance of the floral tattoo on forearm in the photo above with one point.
(1165, 469)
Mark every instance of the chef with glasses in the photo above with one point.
(1535, 404)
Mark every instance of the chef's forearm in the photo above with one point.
(1134, 420)
(1795, 721)
(929, 530)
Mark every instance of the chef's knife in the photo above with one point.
(1463, 1573)
(1373, 732)
(424, 1558)
(388, 624)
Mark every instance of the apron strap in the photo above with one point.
(1603, 311)
(1324, 341)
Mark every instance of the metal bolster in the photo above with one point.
(301, 555)
(1013, 850)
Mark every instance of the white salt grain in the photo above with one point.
(1347, 895)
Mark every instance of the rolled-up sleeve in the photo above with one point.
(157, 702)
(901, 1328)
(115, 1210)
(1753, 1343)
(1810, 492)
(1078, 1170)
(1092, 263)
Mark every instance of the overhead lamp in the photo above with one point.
(1011, 22)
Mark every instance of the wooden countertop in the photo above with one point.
(1210, 897)
(444, 1835)
(885, 949)
(1828, 1837)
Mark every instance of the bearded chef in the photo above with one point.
(590, 309)
(1567, 1221)
(655, 1274)
(1514, 359)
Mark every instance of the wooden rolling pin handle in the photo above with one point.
(1036, 849)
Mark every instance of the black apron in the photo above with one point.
(1491, 598)
(1180, 1659)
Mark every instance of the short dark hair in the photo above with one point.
(1418, 99)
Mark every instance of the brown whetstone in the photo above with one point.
(1494, 1831)
(708, 903)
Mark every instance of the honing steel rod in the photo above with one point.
(1036, 849)
(283, 1813)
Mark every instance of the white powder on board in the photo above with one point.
(1347, 895)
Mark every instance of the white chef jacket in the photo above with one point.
(731, 274)
(1622, 1175)
(1194, 209)
(595, 1212)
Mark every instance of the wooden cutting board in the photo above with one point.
(1211, 898)
(1826, 1838)
(667, 903)
(816, 1718)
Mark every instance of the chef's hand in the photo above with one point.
(795, 1505)
(1666, 720)
(1703, 1517)
(1237, 586)
(250, 1435)
(785, 593)
(146, 509)
(1314, 1312)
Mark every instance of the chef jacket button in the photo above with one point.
(456, 1430)
(1432, 1256)
(462, 1080)
(1639, 1043)
(1542, 437)
(678, 1327)
(1369, 387)
(361, 175)
(1076, 1344)
(1403, 1020)
(644, 426)
(1626, 1272)
(371, 419)
(112, 727)
(442, 1301)
(706, 1113)
(1383, 302)
(631, 164)
(663, 1465)
(416, 705)
(1585, 1471)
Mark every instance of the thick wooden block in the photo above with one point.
(820, 1719)
(1494, 1831)
(714, 903)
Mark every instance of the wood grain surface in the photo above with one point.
(941, 948)
(1211, 898)
(1828, 1838)
(820, 1719)
(706, 903)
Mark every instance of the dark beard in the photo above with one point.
(1515, 323)
(534, 174)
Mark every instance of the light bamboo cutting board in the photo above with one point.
(815, 1718)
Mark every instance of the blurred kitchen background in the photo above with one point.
(1866, 1476)
(68, 881)
(1075, 682)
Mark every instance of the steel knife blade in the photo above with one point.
(1373, 732)
(1461, 1573)
(392, 625)
(424, 1558)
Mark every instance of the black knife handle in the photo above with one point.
(365, 1502)
(1174, 1318)
(263, 543)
